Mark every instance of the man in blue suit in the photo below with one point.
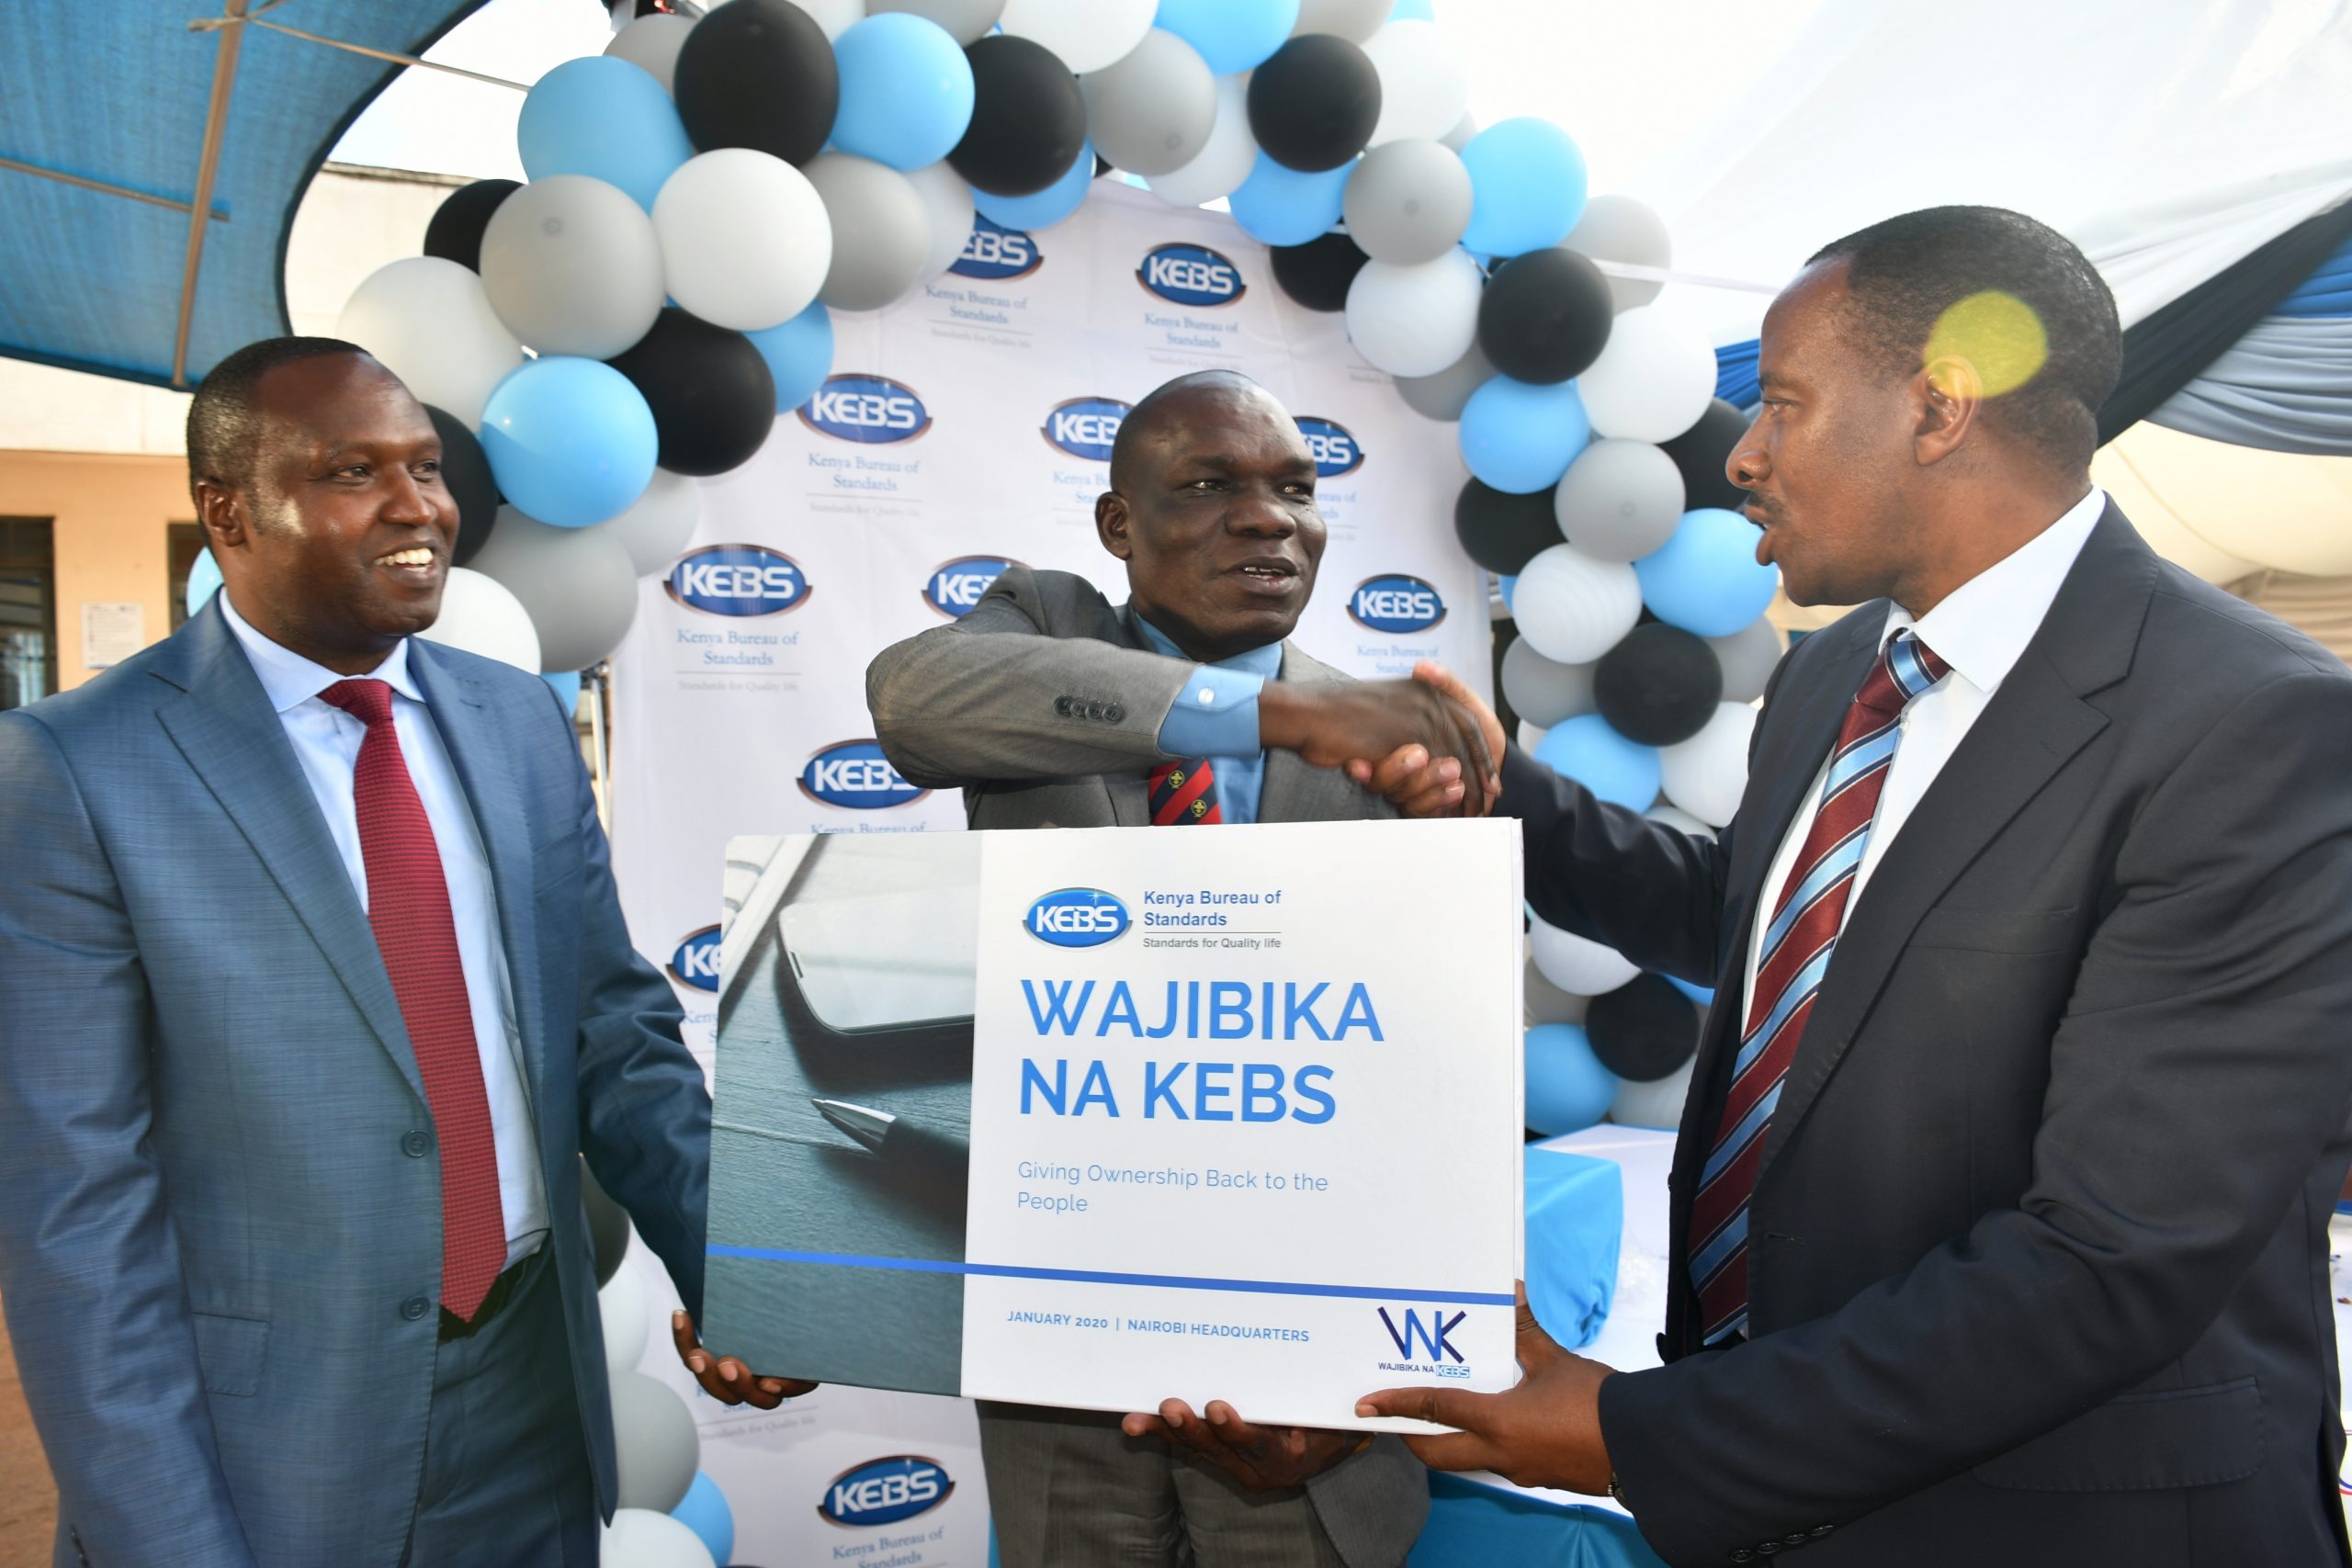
(313, 986)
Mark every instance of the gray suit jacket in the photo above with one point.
(1044, 704)
(220, 1230)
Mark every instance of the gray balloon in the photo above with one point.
(1151, 112)
(1620, 500)
(1441, 396)
(1748, 656)
(963, 20)
(578, 583)
(1459, 137)
(1407, 202)
(1354, 19)
(572, 265)
(881, 231)
(1618, 229)
(1541, 692)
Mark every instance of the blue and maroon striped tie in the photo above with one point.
(1793, 957)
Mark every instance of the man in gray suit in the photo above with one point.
(1185, 706)
(314, 988)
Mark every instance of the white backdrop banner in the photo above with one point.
(967, 426)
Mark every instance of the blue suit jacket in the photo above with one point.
(217, 1257)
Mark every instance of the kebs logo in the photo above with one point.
(1331, 444)
(1190, 274)
(995, 254)
(854, 776)
(885, 1491)
(872, 410)
(738, 579)
(1085, 427)
(1425, 1341)
(696, 963)
(1396, 602)
(1077, 916)
(954, 586)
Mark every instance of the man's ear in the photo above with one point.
(221, 512)
(1111, 520)
(1950, 394)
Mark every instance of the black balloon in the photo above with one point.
(1700, 453)
(1313, 105)
(759, 74)
(1545, 316)
(465, 472)
(607, 1226)
(712, 395)
(455, 233)
(1659, 684)
(1503, 532)
(1644, 1030)
(1028, 118)
(1317, 273)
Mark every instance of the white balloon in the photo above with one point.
(1748, 656)
(572, 265)
(640, 1538)
(627, 1311)
(578, 585)
(1087, 35)
(1355, 20)
(479, 615)
(1415, 320)
(1541, 691)
(1656, 1104)
(1578, 966)
(1463, 131)
(430, 323)
(651, 43)
(948, 201)
(881, 229)
(1706, 774)
(836, 17)
(745, 240)
(1531, 736)
(1424, 90)
(966, 21)
(1653, 380)
(1226, 159)
(1574, 608)
(1546, 1003)
(656, 526)
(1681, 820)
(655, 1442)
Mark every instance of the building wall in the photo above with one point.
(111, 516)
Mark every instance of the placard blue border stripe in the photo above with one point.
(1091, 1276)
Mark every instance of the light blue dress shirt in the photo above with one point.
(1216, 717)
(326, 742)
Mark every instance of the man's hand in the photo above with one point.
(1263, 1458)
(1410, 782)
(1545, 1432)
(1410, 722)
(725, 1379)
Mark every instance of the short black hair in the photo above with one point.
(224, 426)
(1903, 275)
(1139, 421)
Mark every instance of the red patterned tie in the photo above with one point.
(1793, 958)
(1183, 794)
(408, 909)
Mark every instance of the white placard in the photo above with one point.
(111, 631)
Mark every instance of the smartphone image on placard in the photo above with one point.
(871, 952)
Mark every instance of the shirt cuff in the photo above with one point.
(1215, 715)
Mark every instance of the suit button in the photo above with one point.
(1061, 707)
(1798, 1539)
(1766, 1548)
(1820, 1530)
(1115, 713)
(1741, 1554)
(1094, 710)
(415, 1308)
(415, 1143)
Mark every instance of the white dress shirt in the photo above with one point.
(1980, 630)
(326, 742)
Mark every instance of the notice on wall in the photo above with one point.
(111, 631)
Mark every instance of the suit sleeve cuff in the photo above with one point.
(1215, 715)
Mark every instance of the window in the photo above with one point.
(186, 543)
(27, 612)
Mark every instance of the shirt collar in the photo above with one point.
(1265, 663)
(289, 680)
(1982, 627)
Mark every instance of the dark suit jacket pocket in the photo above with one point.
(1998, 930)
(229, 1349)
(2188, 1436)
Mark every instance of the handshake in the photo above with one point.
(1429, 746)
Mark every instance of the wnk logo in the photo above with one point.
(696, 963)
(1077, 916)
(1396, 602)
(738, 579)
(1331, 444)
(1190, 274)
(1085, 427)
(854, 776)
(885, 1491)
(1431, 1336)
(872, 410)
(954, 586)
(996, 253)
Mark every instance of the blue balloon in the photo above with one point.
(1703, 994)
(570, 441)
(1568, 1089)
(1705, 578)
(1413, 11)
(1527, 186)
(704, 1510)
(1507, 586)
(605, 117)
(203, 580)
(905, 91)
(1586, 749)
(1047, 207)
(1279, 206)
(565, 685)
(800, 353)
(1521, 438)
(1233, 36)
